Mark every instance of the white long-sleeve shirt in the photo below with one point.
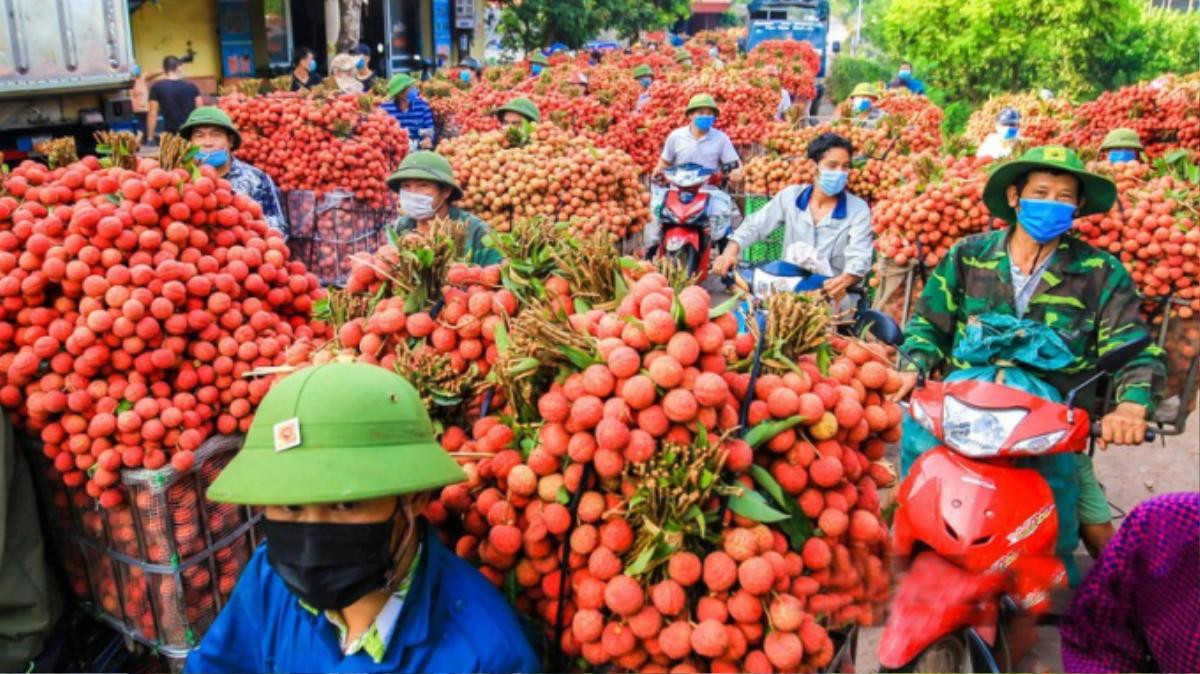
(843, 237)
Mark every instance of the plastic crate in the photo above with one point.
(327, 232)
(160, 567)
(769, 249)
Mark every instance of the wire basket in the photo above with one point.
(1178, 332)
(327, 232)
(769, 249)
(160, 567)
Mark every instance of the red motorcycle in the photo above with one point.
(979, 532)
(692, 217)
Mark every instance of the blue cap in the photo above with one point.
(362, 49)
(1009, 117)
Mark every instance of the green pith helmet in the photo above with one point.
(1098, 192)
(642, 71)
(700, 101)
(337, 432)
(1121, 138)
(426, 165)
(210, 116)
(538, 58)
(683, 56)
(398, 84)
(523, 107)
(864, 90)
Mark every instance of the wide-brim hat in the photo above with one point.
(426, 165)
(209, 115)
(522, 106)
(701, 102)
(1098, 192)
(337, 432)
(1121, 138)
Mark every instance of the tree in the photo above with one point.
(975, 48)
(350, 25)
(533, 24)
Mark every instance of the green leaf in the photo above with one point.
(627, 262)
(578, 358)
(501, 336)
(724, 307)
(823, 359)
(320, 310)
(706, 479)
(443, 400)
(766, 430)
(621, 288)
(562, 495)
(677, 310)
(524, 365)
(582, 307)
(751, 505)
(639, 564)
(765, 480)
(701, 436)
(124, 406)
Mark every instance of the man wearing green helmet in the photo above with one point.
(425, 182)
(411, 111)
(863, 109)
(645, 77)
(1121, 145)
(1036, 271)
(211, 129)
(516, 112)
(537, 63)
(344, 459)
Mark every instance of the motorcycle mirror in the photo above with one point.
(1115, 359)
(879, 324)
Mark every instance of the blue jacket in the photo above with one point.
(453, 620)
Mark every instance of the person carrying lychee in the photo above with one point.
(427, 188)
(351, 578)
(823, 216)
(517, 112)
(213, 131)
(1034, 270)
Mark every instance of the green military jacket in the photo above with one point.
(479, 253)
(1085, 295)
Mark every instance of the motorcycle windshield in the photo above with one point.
(688, 175)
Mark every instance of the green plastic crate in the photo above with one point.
(771, 248)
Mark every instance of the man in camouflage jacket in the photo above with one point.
(1035, 271)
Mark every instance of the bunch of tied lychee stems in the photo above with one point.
(416, 264)
(672, 506)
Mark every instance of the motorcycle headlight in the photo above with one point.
(1039, 443)
(977, 431)
(919, 415)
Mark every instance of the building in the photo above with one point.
(229, 39)
(706, 15)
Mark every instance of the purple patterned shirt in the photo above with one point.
(1139, 608)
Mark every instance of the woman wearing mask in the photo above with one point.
(999, 144)
(863, 109)
(427, 189)
(343, 69)
(351, 578)
(469, 70)
(362, 66)
(830, 220)
(304, 70)
(211, 129)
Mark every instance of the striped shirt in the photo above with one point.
(418, 116)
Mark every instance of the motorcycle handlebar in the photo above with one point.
(1098, 430)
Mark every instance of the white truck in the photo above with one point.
(65, 68)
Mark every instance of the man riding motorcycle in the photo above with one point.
(1034, 271)
(696, 143)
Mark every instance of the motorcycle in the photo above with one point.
(694, 214)
(979, 532)
(758, 282)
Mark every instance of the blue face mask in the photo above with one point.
(645, 82)
(905, 75)
(862, 105)
(832, 182)
(1121, 156)
(215, 159)
(312, 66)
(360, 64)
(536, 69)
(135, 70)
(1045, 220)
(704, 122)
(464, 75)
(1007, 132)
(412, 94)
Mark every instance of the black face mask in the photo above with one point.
(330, 566)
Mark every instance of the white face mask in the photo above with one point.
(417, 206)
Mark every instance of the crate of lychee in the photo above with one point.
(615, 501)
(160, 566)
(328, 230)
